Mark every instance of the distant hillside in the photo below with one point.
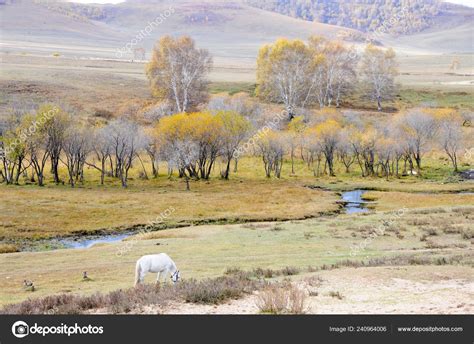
(403, 16)
(233, 31)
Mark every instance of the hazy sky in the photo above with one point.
(469, 3)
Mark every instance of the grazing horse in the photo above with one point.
(159, 263)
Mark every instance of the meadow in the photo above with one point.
(292, 229)
(422, 237)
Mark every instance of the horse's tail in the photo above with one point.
(138, 272)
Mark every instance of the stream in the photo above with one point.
(89, 241)
(353, 202)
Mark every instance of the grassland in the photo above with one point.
(421, 236)
(32, 212)
(29, 78)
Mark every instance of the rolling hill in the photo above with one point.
(230, 30)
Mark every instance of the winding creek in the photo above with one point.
(352, 201)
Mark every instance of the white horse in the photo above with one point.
(159, 263)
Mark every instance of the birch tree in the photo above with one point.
(283, 71)
(177, 72)
(379, 69)
(126, 140)
(76, 146)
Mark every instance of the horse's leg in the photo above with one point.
(165, 274)
(158, 277)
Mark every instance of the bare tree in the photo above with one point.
(418, 129)
(272, 147)
(152, 149)
(76, 146)
(37, 148)
(450, 140)
(345, 151)
(102, 149)
(55, 128)
(126, 140)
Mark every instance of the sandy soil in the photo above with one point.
(379, 290)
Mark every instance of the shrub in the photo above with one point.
(336, 294)
(290, 271)
(431, 231)
(213, 291)
(276, 299)
(209, 291)
(266, 273)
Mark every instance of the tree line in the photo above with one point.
(295, 73)
(192, 133)
(192, 143)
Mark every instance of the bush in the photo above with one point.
(336, 294)
(266, 273)
(467, 234)
(276, 299)
(214, 291)
(290, 271)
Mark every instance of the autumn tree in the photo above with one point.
(296, 129)
(417, 128)
(313, 148)
(38, 144)
(272, 147)
(177, 72)
(379, 69)
(283, 71)
(450, 134)
(345, 149)
(202, 130)
(328, 137)
(235, 129)
(13, 149)
(334, 70)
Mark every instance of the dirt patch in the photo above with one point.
(375, 290)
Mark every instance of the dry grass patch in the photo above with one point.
(59, 210)
(389, 200)
(282, 299)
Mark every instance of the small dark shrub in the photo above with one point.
(290, 271)
(336, 294)
(213, 291)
